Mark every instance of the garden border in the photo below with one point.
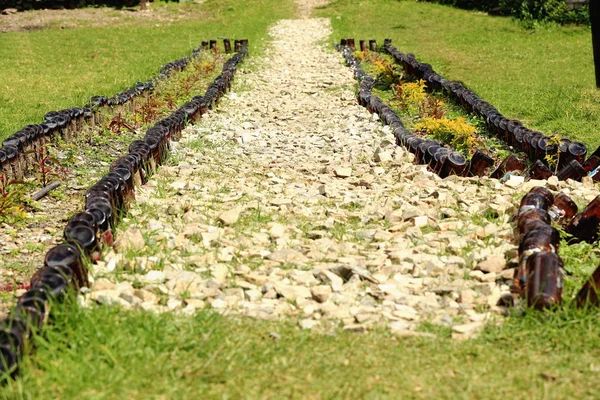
(65, 268)
(18, 151)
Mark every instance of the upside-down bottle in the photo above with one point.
(545, 275)
(532, 243)
(455, 164)
(68, 257)
(351, 44)
(573, 170)
(563, 209)
(538, 171)
(510, 163)
(363, 45)
(576, 151)
(372, 44)
(584, 226)
(480, 164)
(589, 293)
(533, 214)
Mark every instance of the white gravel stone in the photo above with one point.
(331, 228)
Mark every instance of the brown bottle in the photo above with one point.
(592, 167)
(510, 163)
(532, 201)
(530, 244)
(545, 147)
(544, 192)
(563, 149)
(534, 214)
(534, 225)
(576, 151)
(67, 256)
(584, 226)
(537, 197)
(351, 44)
(538, 171)
(54, 280)
(438, 159)
(563, 209)
(533, 149)
(363, 45)
(455, 164)
(480, 164)
(573, 170)
(545, 275)
(372, 44)
(588, 294)
(591, 164)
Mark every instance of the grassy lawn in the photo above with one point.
(106, 353)
(56, 68)
(544, 77)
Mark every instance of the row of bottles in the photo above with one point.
(570, 157)
(442, 160)
(86, 232)
(18, 151)
(540, 273)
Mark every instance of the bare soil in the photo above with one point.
(95, 17)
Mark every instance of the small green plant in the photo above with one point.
(553, 158)
(118, 124)
(47, 166)
(12, 198)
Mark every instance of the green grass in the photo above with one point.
(53, 69)
(106, 353)
(543, 77)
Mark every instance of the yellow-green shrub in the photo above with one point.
(455, 132)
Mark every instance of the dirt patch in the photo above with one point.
(95, 17)
(305, 7)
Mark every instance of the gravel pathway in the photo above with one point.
(293, 202)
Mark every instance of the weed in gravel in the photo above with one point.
(12, 198)
(47, 166)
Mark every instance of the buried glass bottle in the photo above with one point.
(534, 201)
(106, 236)
(576, 151)
(53, 280)
(84, 238)
(585, 225)
(509, 164)
(438, 159)
(533, 214)
(588, 294)
(563, 208)
(32, 307)
(545, 275)
(480, 164)
(573, 170)
(454, 164)
(538, 171)
(68, 256)
(534, 242)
